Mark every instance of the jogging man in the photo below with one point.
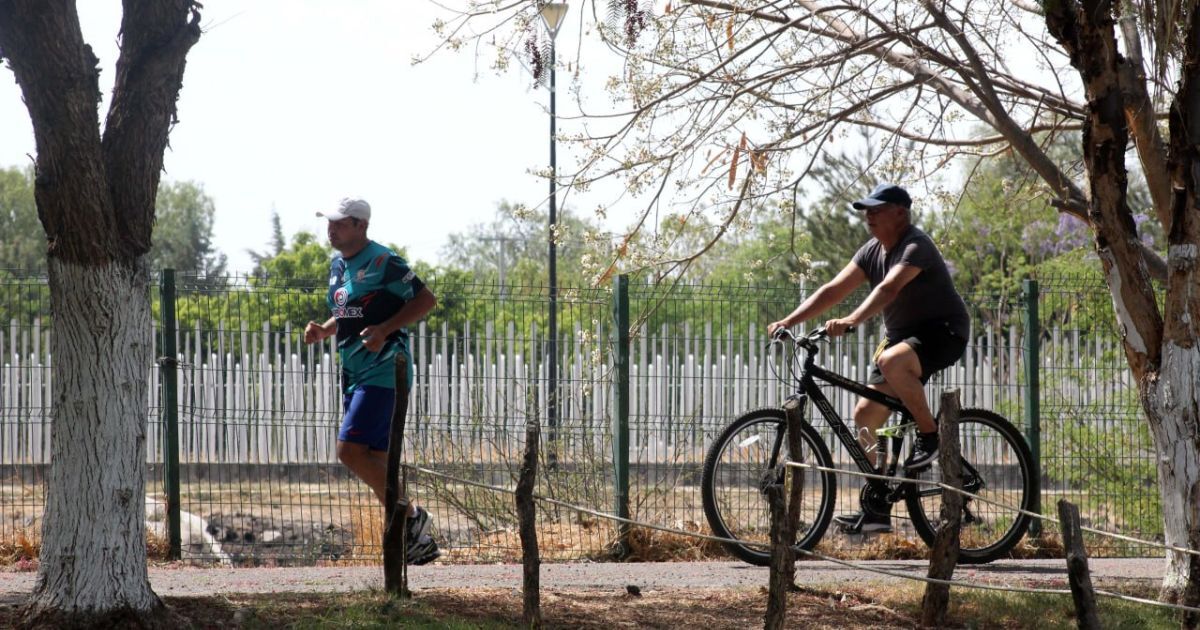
(373, 295)
(925, 319)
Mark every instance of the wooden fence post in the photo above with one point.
(395, 542)
(778, 577)
(944, 555)
(783, 523)
(794, 412)
(527, 525)
(1077, 566)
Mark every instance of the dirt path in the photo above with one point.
(189, 581)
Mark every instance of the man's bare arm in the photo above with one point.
(826, 297)
(882, 295)
(314, 332)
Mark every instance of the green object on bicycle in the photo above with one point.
(895, 431)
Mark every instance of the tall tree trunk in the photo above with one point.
(1176, 394)
(93, 551)
(95, 199)
(1161, 350)
(1173, 408)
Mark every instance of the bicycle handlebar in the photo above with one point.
(807, 342)
(816, 334)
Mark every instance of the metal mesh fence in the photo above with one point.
(257, 415)
(1097, 451)
(25, 399)
(701, 361)
(479, 381)
(258, 412)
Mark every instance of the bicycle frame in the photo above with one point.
(750, 452)
(811, 373)
(808, 388)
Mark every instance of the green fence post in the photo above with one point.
(169, 364)
(621, 411)
(1033, 420)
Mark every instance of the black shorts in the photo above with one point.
(937, 347)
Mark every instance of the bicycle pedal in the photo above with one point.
(857, 534)
(854, 533)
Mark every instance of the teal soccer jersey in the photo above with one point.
(365, 290)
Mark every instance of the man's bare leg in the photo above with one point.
(871, 415)
(369, 465)
(902, 369)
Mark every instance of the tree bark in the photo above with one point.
(1077, 567)
(1087, 31)
(527, 527)
(93, 558)
(395, 519)
(1175, 396)
(1160, 349)
(943, 556)
(1171, 408)
(95, 199)
(780, 577)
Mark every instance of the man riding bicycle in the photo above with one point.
(924, 317)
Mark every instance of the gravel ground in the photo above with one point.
(178, 581)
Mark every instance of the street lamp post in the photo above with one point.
(552, 15)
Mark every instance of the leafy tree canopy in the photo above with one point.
(183, 230)
(24, 241)
(182, 237)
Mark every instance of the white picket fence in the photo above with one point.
(475, 389)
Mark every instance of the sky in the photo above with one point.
(291, 105)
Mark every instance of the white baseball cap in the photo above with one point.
(349, 207)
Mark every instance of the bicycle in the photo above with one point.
(745, 459)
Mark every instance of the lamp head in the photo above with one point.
(552, 14)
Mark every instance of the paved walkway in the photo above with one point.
(186, 581)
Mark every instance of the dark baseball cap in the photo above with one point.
(884, 193)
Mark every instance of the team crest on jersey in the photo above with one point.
(341, 311)
(362, 273)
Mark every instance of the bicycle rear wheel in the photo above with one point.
(741, 462)
(997, 467)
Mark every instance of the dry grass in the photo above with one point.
(651, 545)
(563, 534)
(569, 540)
(564, 539)
(20, 547)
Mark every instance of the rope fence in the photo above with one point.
(845, 563)
(1051, 519)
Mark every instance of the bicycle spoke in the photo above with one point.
(995, 468)
(739, 465)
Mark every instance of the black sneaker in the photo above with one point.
(863, 523)
(418, 526)
(423, 551)
(923, 452)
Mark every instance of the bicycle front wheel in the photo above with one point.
(998, 467)
(739, 465)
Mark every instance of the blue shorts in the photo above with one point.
(368, 416)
